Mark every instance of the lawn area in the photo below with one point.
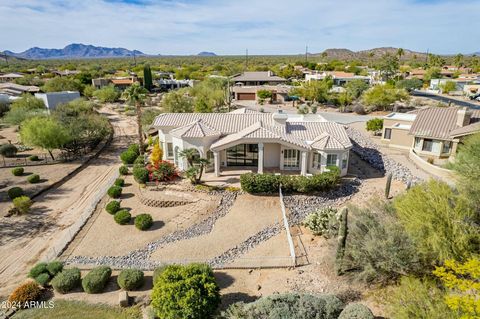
(79, 310)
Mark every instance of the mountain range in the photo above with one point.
(346, 54)
(74, 50)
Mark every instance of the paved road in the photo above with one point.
(448, 100)
(24, 240)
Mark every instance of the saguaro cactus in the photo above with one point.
(342, 240)
(388, 186)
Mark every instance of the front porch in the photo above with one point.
(230, 176)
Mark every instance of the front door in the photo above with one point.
(291, 159)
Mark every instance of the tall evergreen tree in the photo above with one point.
(147, 77)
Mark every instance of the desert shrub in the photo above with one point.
(139, 161)
(192, 286)
(96, 280)
(143, 221)
(25, 293)
(119, 182)
(128, 157)
(123, 170)
(375, 125)
(140, 174)
(269, 183)
(356, 311)
(54, 267)
(15, 192)
(157, 272)
(33, 179)
(18, 171)
(22, 204)
(8, 150)
(67, 280)
(378, 249)
(323, 222)
(130, 279)
(289, 305)
(43, 279)
(122, 217)
(33, 158)
(38, 269)
(113, 207)
(114, 191)
(162, 171)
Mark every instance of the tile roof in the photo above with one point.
(466, 130)
(258, 76)
(243, 110)
(327, 142)
(195, 129)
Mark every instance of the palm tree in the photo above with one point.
(136, 94)
(190, 154)
(400, 53)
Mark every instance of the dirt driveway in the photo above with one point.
(25, 240)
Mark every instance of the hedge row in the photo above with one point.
(270, 183)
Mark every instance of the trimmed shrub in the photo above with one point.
(37, 270)
(143, 221)
(18, 171)
(96, 280)
(15, 192)
(114, 191)
(119, 182)
(25, 293)
(356, 311)
(43, 279)
(128, 157)
(157, 272)
(140, 174)
(289, 305)
(323, 222)
(22, 204)
(113, 207)
(33, 158)
(33, 179)
(192, 286)
(122, 217)
(54, 267)
(130, 279)
(123, 170)
(139, 161)
(67, 280)
(8, 150)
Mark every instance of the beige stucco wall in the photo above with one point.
(271, 155)
(400, 138)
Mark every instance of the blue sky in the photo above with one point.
(231, 26)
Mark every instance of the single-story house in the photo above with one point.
(257, 78)
(433, 132)
(262, 141)
(339, 78)
(119, 82)
(14, 89)
(245, 93)
(66, 72)
(9, 77)
(52, 99)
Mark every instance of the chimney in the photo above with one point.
(280, 118)
(463, 117)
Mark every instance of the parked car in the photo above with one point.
(475, 97)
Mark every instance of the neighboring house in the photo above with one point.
(433, 132)
(170, 84)
(52, 99)
(14, 89)
(339, 78)
(416, 73)
(9, 77)
(257, 78)
(66, 72)
(245, 93)
(262, 141)
(119, 82)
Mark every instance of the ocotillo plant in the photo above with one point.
(388, 185)
(342, 240)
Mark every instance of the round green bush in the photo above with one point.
(96, 280)
(128, 157)
(143, 221)
(33, 158)
(140, 174)
(37, 270)
(119, 182)
(15, 192)
(113, 207)
(157, 272)
(114, 191)
(22, 204)
(123, 170)
(67, 280)
(43, 279)
(33, 179)
(8, 150)
(139, 161)
(356, 311)
(54, 267)
(130, 279)
(18, 171)
(122, 217)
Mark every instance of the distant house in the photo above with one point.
(119, 82)
(433, 132)
(9, 77)
(66, 72)
(52, 99)
(245, 93)
(257, 78)
(14, 89)
(170, 84)
(416, 74)
(339, 78)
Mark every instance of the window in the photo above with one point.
(169, 150)
(291, 159)
(430, 145)
(243, 155)
(388, 134)
(447, 146)
(176, 156)
(418, 142)
(317, 161)
(332, 160)
(344, 161)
